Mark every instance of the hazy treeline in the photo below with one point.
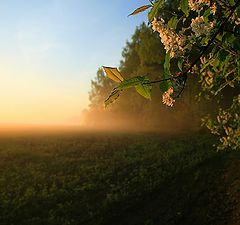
(143, 54)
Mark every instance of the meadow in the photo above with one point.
(110, 178)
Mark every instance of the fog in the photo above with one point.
(105, 122)
(171, 122)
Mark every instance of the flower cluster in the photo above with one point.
(213, 9)
(209, 79)
(172, 42)
(196, 5)
(166, 97)
(237, 21)
(227, 126)
(200, 26)
(230, 134)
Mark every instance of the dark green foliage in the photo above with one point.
(121, 179)
(165, 85)
(184, 6)
(154, 11)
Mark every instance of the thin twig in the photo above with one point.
(226, 47)
(224, 85)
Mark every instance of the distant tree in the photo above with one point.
(97, 93)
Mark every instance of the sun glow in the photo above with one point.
(26, 99)
(49, 56)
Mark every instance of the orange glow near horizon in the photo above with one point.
(49, 55)
(26, 99)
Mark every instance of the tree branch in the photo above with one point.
(205, 48)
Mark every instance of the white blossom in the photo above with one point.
(166, 97)
(203, 60)
(237, 21)
(209, 78)
(213, 8)
(172, 42)
(200, 26)
(196, 5)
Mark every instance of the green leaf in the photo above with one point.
(180, 63)
(215, 63)
(165, 85)
(144, 89)
(154, 11)
(112, 97)
(184, 6)
(132, 82)
(140, 9)
(166, 65)
(232, 2)
(172, 23)
(140, 83)
(113, 74)
(207, 13)
(204, 41)
(228, 38)
(238, 11)
(221, 55)
(236, 44)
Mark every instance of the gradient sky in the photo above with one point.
(51, 49)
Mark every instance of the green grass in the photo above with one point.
(117, 179)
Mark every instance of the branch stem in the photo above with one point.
(158, 81)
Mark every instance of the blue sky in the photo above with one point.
(51, 49)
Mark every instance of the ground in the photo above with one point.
(106, 178)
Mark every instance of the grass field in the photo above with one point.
(91, 178)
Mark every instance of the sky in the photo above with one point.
(50, 51)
